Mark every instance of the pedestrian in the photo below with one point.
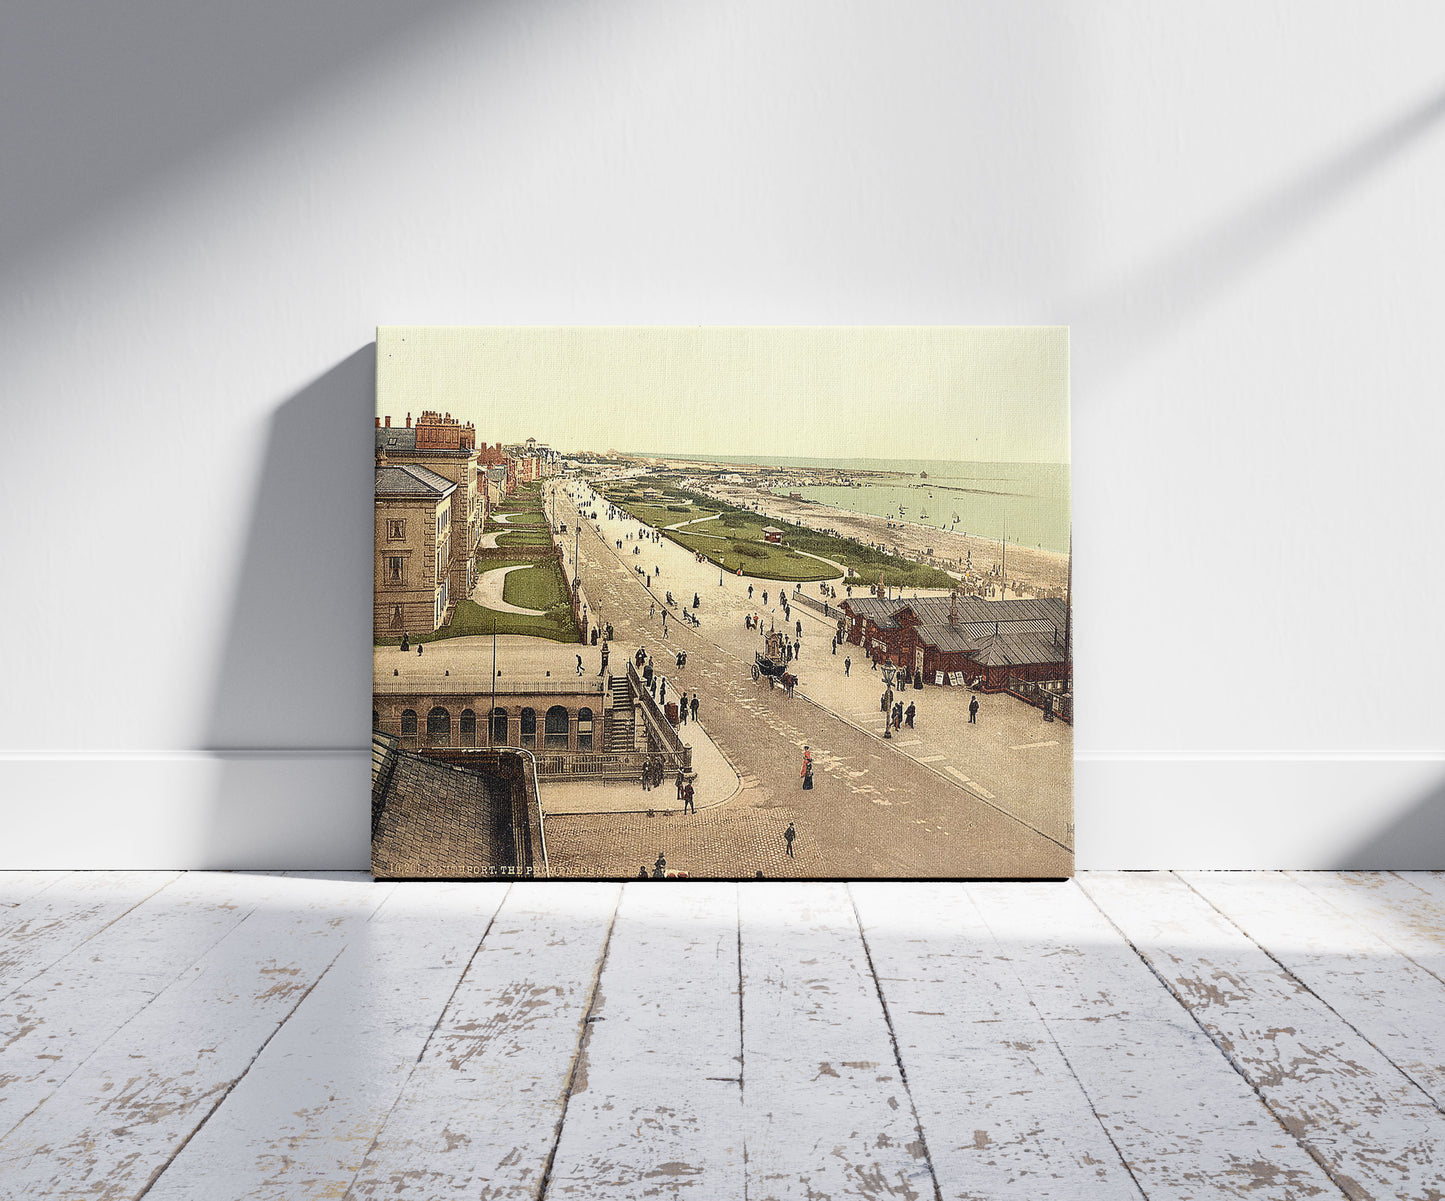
(681, 783)
(765, 596)
(579, 665)
(418, 649)
(696, 601)
(788, 835)
(909, 714)
(694, 706)
(602, 671)
(652, 611)
(647, 777)
(642, 872)
(750, 592)
(798, 628)
(405, 643)
(973, 711)
(835, 644)
(682, 708)
(807, 769)
(847, 665)
(898, 716)
(687, 799)
(659, 869)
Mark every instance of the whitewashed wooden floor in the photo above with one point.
(1191, 1035)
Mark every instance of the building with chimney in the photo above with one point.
(444, 445)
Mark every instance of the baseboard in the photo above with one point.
(308, 809)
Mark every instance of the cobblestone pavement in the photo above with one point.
(874, 812)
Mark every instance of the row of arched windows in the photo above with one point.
(556, 727)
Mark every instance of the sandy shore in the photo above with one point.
(1039, 571)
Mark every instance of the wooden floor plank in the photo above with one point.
(50, 923)
(52, 1024)
(16, 887)
(657, 1107)
(1403, 908)
(125, 1113)
(1002, 1115)
(1187, 1125)
(480, 1114)
(1367, 1123)
(300, 1123)
(1390, 1001)
(826, 1111)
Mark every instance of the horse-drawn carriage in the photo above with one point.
(773, 661)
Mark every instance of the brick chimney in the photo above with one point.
(408, 421)
(388, 421)
(378, 423)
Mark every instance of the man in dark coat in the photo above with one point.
(973, 710)
(788, 835)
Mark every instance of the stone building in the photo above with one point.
(412, 592)
(448, 447)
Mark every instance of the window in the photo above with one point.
(584, 729)
(554, 735)
(396, 571)
(396, 529)
(439, 727)
(469, 727)
(408, 723)
(529, 727)
(499, 727)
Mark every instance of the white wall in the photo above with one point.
(205, 208)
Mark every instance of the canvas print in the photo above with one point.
(726, 603)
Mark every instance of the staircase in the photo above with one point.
(622, 724)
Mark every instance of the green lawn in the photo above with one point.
(526, 536)
(538, 587)
(744, 545)
(470, 619)
(520, 517)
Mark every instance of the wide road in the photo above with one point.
(874, 811)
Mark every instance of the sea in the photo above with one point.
(1027, 503)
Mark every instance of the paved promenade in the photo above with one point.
(879, 808)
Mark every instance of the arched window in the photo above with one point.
(439, 727)
(499, 726)
(529, 727)
(408, 726)
(584, 729)
(554, 733)
(468, 727)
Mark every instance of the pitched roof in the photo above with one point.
(433, 819)
(1015, 650)
(408, 479)
(1040, 613)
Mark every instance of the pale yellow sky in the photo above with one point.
(833, 392)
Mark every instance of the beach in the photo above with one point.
(1040, 572)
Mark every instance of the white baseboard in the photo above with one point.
(309, 809)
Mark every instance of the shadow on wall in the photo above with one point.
(289, 716)
(119, 96)
(1414, 841)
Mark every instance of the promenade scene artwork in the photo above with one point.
(722, 603)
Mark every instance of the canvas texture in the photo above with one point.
(722, 603)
